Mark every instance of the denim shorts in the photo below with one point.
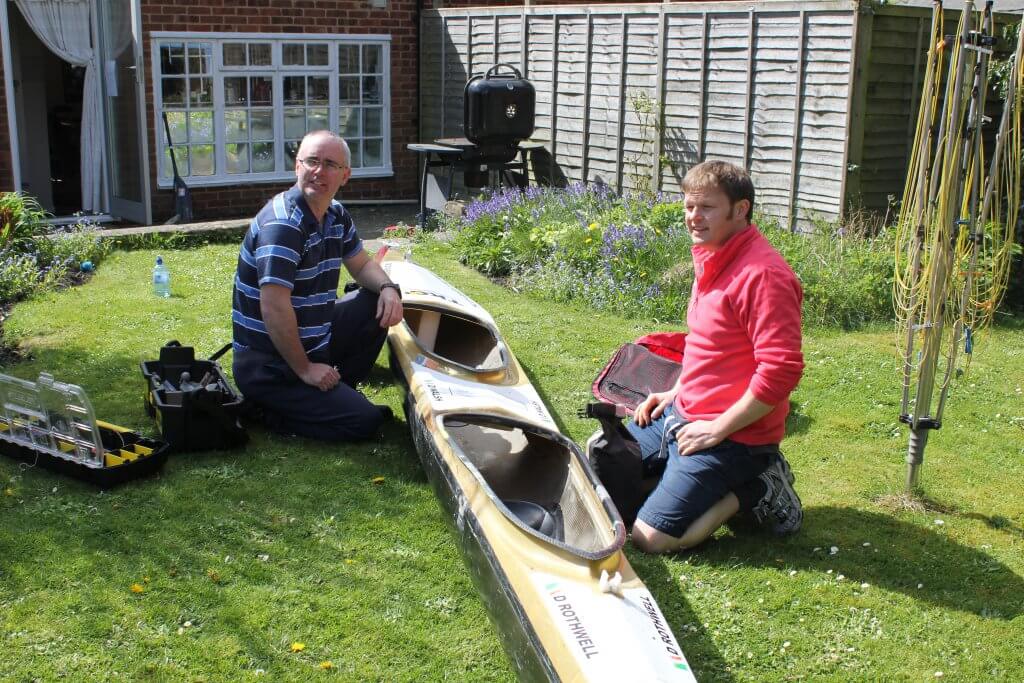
(690, 484)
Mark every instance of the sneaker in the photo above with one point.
(780, 508)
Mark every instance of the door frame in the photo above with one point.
(140, 84)
(12, 115)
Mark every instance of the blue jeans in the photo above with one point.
(691, 484)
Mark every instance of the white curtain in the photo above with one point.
(64, 26)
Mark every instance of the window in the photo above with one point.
(237, 105)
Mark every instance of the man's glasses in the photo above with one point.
(313, 163)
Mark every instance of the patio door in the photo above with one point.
(119, 25)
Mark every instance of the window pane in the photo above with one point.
(317, 119)
(200, 126)
(237, 158)
(293, 54)
(259, 54)
(372, 86)
(294, 90)
(200, 92)
(173, 92)
(263, 157)
(371, 59)
(316, 55)
(172, 59)
(176, 121)
(237, 124)
(261, 90)
(348, 123)
(181, 157)
(262, 124)
(294, 122)
(198, 58)
(234, 54)
(348, 90)
(202, 160)
(236, 92)
(318, 90)
(357, 153)
(372, 123)
(348, 59)
(290, 150)
(373, 152)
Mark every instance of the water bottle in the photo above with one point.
(161, 278)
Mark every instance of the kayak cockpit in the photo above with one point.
(456, 339)
(540, 482)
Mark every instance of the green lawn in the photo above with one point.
(240, 555)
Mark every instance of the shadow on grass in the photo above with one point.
(923, 563)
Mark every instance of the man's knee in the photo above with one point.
(649, 540)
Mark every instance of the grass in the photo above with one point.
(241, 554)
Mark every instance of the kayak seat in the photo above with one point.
(538, 518)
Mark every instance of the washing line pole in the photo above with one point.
(983, 44)
(923, 176)
(933, 319)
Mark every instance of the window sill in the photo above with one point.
(193, 183)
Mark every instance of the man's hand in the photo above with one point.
(652, 407)
(389, 307)
(698, 435)
(321, 376)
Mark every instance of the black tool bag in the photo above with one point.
(195, 407)
(615, 458)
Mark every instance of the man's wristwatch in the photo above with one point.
(392, 285)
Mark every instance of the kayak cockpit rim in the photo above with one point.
(526, 472)
(455, 338)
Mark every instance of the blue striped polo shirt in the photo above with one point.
(286, 246)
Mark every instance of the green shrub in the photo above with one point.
(19, 276)
(73, 248)
(631, 255)
(21, 219)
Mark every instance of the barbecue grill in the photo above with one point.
(499, 109)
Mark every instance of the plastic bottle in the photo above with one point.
(161, 278)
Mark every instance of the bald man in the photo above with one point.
(299, 350)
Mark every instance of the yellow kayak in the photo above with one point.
(539, 533)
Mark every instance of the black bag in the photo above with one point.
(195, 407)
(615, 457)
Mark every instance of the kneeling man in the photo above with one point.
(299, 351)
(714, 437)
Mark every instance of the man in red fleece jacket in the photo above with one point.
(714, 437)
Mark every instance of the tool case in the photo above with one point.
(52, 424)
(195, 407)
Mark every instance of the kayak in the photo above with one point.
(539, 533)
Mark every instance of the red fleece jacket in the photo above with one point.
(744, 320)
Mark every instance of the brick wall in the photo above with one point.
(398, 19)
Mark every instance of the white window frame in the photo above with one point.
(279, 70)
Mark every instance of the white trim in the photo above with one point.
(262, 179)
(12, 115)
(218, 72)
(140, 86)
(307, 37)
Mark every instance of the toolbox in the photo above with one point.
(52, 424)
(195, 407)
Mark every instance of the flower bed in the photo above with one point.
(631, 255)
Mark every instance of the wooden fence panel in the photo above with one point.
(765, 85)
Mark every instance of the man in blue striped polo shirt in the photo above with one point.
(299, 350)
